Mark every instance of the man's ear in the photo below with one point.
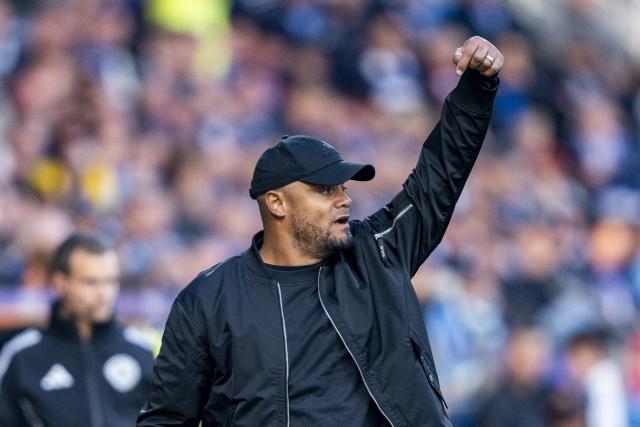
(60, 282)
(275, 203)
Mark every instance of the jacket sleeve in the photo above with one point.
(409, 228)
(9, 410)
(182, 373)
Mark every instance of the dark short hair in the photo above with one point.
(77, 241)
(595, 338)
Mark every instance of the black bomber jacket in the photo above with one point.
(223, 356)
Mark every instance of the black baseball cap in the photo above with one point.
(307, 159)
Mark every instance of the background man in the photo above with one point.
(521, 398)
(317, 323)
(83, 369)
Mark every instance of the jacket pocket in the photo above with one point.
(429, 376)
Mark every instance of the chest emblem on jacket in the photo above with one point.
(56, 378)
(122, 371)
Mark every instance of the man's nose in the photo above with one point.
(344, 200)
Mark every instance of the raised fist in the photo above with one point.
(478, 54)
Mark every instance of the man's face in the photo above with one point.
(90, 289)
(319, 218)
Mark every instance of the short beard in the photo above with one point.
(316, 242)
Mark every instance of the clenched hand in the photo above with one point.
(478, 54)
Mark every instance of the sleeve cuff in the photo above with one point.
(476, 91)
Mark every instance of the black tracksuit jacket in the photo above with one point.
(50, 378)
(224, 359)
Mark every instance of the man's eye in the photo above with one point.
(329, 189)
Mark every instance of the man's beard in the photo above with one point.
(317, 242)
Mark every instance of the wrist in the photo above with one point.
(475, 91)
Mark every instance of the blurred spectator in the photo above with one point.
(611, 248)
(600, 378)
(632, 375)
(143, 119)
(533, 284)
(521, 397)
(83, 368)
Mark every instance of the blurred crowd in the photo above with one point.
(143, 119)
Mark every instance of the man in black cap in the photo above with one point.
(317, 323)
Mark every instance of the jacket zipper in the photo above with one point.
(29, 413)
(286, 351)
(95, 409)
(378, 236)
(422, 360)
(349, 351)
(430, 380)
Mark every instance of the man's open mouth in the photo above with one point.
(342, 219)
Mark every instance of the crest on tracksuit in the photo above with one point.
(122, 371)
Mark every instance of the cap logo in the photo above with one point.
(325, 149)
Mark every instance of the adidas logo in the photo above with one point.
(56, 378)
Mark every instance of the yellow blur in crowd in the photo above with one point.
(206, 21)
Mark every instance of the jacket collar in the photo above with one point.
(256, 266)
(253, 259)
(66, 327)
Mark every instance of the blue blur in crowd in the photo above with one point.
(143, 120)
